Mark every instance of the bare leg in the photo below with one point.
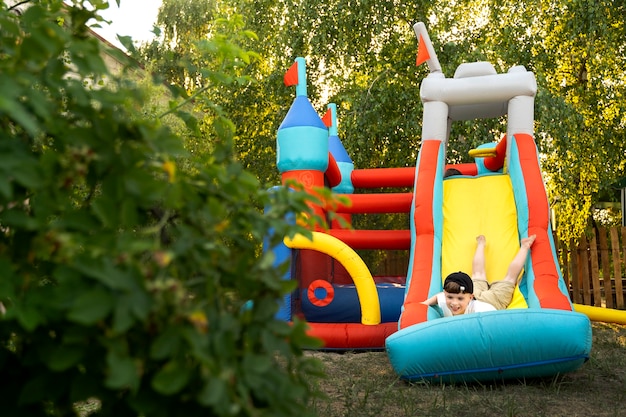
(478, 263)
(516, 265)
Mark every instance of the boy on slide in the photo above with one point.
(463, 295)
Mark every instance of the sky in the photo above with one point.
(133, 18)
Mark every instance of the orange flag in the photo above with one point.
(422, 52)
(328, 118)
(291, 76)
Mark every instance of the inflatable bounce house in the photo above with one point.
(500, 195)
(503, 197)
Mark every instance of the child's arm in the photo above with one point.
(432, 301)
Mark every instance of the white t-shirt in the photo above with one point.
(474, 306)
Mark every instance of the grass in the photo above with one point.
(364, 384)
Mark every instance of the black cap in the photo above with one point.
(464, 281)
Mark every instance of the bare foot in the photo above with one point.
(527, 242)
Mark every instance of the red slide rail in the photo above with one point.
(383, 177)
(374, 239)
(376, 203)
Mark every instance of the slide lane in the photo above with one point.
(475, 206)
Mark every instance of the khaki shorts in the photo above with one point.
(499, 294)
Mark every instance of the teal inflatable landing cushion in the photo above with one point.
(495, 345)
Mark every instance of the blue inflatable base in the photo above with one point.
(495, 345)
(346, 308)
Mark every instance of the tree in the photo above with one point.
(361, 55)
(190, 63)
(125, 278)
(587, 75)
(577, 54)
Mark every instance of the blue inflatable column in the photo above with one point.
(345, 164)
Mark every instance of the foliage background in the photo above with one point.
(361, 55)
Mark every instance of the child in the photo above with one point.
(463, 295)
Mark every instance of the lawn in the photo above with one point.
(364, 384)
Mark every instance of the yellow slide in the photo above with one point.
(475, 206)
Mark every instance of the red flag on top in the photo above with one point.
(422, 52)
(328, 118)
(291, 76)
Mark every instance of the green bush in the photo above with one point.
(123, 278)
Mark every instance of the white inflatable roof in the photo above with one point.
(477, 91)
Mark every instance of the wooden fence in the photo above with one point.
(595, 270)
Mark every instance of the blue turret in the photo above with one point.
(302, 139)
(341, 156)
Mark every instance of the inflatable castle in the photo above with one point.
(501, 195)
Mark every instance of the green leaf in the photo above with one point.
(122, 319)
(65, 275)
(34, 390)
(79, 220)
(64, 357)
(91, 307)
(18, 113)
(267, 259)
(106, 210)
(141, 303)
(122, 372)
(6, 190)
(18, 219)
(213, 392)
(130, 306)
(29, 317)
(171, 378)
(128, 212)
(166, 344)
(142, 186)
(198, 345)
(27, 173)
(256, 363)
(127, 42)
(106, 273)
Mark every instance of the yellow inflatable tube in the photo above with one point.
(365, 287)
(606, 315)
(483, 153)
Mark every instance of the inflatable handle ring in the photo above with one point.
(328, 289)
